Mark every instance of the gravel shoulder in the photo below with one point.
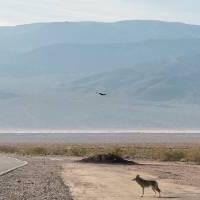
(109, 182)
(39, 180)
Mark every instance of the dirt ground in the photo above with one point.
(109, 182)
(39, 180)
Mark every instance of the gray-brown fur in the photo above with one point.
(147, 183)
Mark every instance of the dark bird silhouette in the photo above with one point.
(102, 94)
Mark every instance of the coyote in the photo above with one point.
(147, 183)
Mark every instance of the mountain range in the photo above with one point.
(50, 73)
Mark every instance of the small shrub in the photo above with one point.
(173, 155)
(194, 155)
(115, 151)
(38, 151)
(78, 151)
(8, 149)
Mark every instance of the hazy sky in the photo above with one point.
(14, 12)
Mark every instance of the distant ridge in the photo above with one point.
(102, 22)
(50, 73)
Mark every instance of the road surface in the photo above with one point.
(8, 164)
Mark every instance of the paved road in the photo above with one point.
(9, 164)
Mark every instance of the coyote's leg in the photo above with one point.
(159, 194)
(142, 192)
(154, 190)
(158, 190)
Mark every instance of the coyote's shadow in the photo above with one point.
(168, 197)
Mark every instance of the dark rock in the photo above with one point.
(107, 159)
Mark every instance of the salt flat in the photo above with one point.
(93, 138)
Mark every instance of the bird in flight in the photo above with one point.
(102, 94)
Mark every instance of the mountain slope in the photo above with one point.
(176, 81)
(86, 59)
(50, 74)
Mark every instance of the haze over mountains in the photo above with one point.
(50, 73)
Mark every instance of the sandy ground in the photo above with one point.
(108, 182)
(38, 180)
